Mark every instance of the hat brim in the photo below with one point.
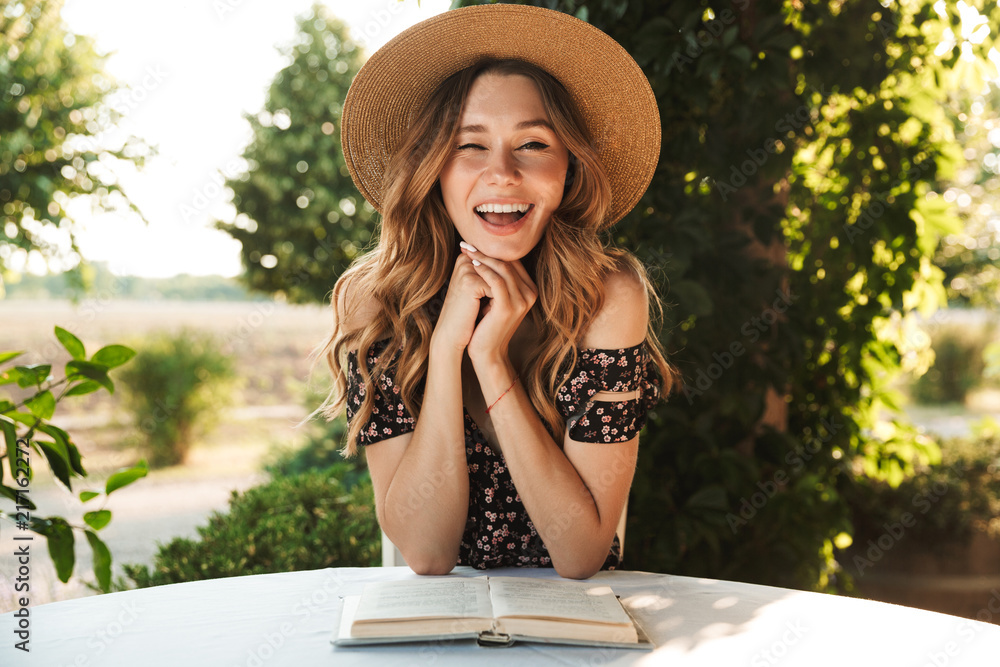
(609, 89)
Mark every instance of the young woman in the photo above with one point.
(494, 358)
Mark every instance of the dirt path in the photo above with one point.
(150, 512)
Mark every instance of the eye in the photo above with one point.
(534, 146)
(469, 147)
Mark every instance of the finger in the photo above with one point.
(465, 270)
(504, 270)
(515, 277)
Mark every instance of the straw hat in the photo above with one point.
(607, 85)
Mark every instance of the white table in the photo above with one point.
(287, 620)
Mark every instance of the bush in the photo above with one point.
(177, 383)
(958, 363)
(302, 522)
(321, 451)
(948, 501)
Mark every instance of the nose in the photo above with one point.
(501, 169)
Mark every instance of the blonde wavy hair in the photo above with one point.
(417, 249)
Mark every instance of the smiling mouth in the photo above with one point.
(496, 215)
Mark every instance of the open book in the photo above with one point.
(496, 611)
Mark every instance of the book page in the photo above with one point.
(575, 600)
(433, 597)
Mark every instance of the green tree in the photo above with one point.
(299, 218)
(54, 134)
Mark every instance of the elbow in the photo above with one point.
(578, 570)
(431, 568)
(430, 564)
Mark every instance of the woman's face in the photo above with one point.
(507, 170)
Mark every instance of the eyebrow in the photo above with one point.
(523, 125)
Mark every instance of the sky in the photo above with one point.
(191, 68)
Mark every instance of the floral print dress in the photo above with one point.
(498, 531)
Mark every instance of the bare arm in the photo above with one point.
(420, 479)
(574, 494)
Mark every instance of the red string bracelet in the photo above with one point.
(502, 395)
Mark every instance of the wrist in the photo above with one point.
(439, 349)
(495, 376)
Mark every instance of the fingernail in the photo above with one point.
(476, 262)
(467, 246)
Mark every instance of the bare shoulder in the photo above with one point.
(357, 308)
(622, 320)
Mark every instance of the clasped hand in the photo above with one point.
(509, 294)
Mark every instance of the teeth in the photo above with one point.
(502, 208)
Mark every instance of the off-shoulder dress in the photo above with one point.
(498, 531)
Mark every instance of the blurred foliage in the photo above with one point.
(299, 218)
(106, 286)
(56, 136)
(970, 256)
(302, 522)
(178, 383)
(28, 404)
(947, 501)
(319, 451)
(959, 362)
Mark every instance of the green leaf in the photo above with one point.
(9, 492)
(34, 374)
(60, 538)
(42, 405)
(71, 343)
(10, 439)
(8, 376)
(25, 418)
(62, 439)
(84, 387)
(98, 519)
(7, 356)
(126, 476)
(113, 355)
(95, 372)
(102, 561)
(88, 495)
(58, 461)
(712, 496)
